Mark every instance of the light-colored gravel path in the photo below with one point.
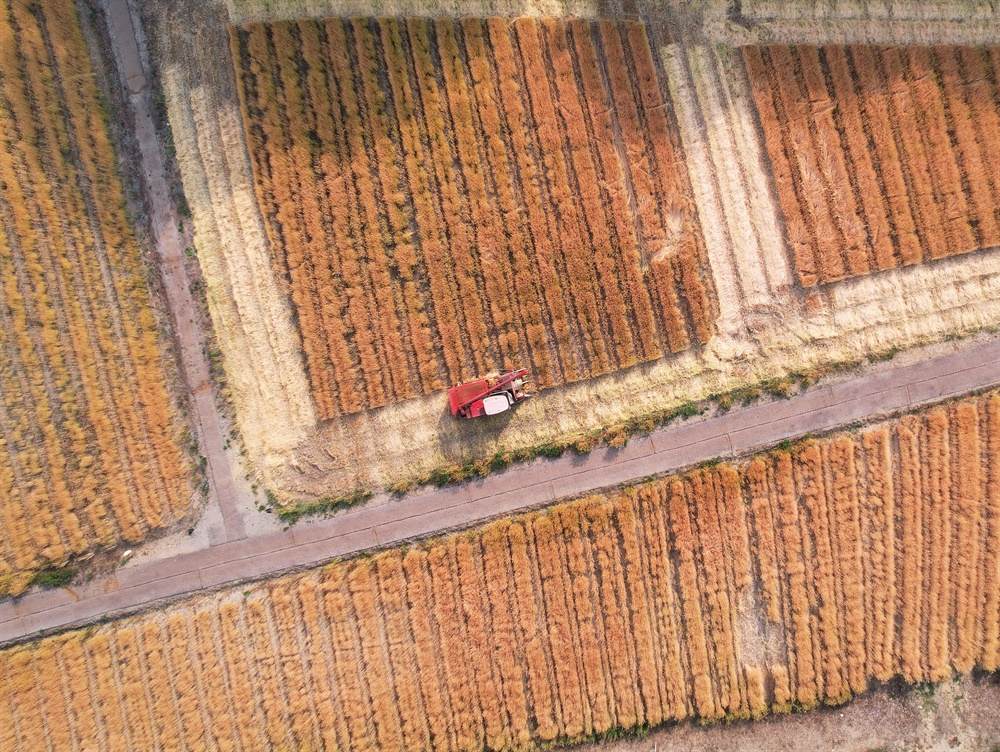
(729, 435)
(170, 246)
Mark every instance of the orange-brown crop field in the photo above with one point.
(792, 579)
(89, 439)
(445, 197)
(883, 156)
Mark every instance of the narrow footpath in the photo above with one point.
(170, 247)
(733, 434)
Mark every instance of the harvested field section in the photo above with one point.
(607, 612)
(445, 198)
(89, 434)
(881, 155)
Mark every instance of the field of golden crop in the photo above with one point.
(882, 156)
(449, 197)
(89, 436)
(789, 580)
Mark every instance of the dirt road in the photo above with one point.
(733, 434)
(170, 248)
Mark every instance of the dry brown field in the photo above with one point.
(304, 319)
(789, 580)
(882, 156)
(447, 198)
(90, 451)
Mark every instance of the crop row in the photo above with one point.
(882, 156)
(448, 197)
(88, 443)
(793, 579)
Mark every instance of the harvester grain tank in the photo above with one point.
(491, 395)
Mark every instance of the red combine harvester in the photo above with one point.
(494, 394)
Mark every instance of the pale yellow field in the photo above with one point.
(789, 580)
(767, 324)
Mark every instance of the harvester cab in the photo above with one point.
(491, 395)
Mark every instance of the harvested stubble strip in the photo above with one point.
(880, 122)
(459, 674)
(483, 221)
(377, 670)
(782, 166)
(715, 589)
(525, 173)
(503, 638)
(488, 677)
(426, 649)
(967, 495)
(307, 103)
(879, 515)
(990, 602)
(308, 264)
(874, 205)
(808, 173)
(954, 83)
(398, 643)
(597, 709)
(975, 64)
(133, 693)
(619, 647)
(259, 95)
(840, 459)
(379, 126)
(910, 578)
(945, 172)
(452, 208)
(542, 676)
(814, 492)
(614, 193)
(358, 225)
(576, 256)
(832, 161)
(634, 593)
(666, 148)
(584, 179)
(642, 174)
(329, 709)
(805, 687)
(288, 645)
(507, 214)
(936, 471)
(560, 627)
(652, 503)
(684, 546)
(347, 658)
(916, 160)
